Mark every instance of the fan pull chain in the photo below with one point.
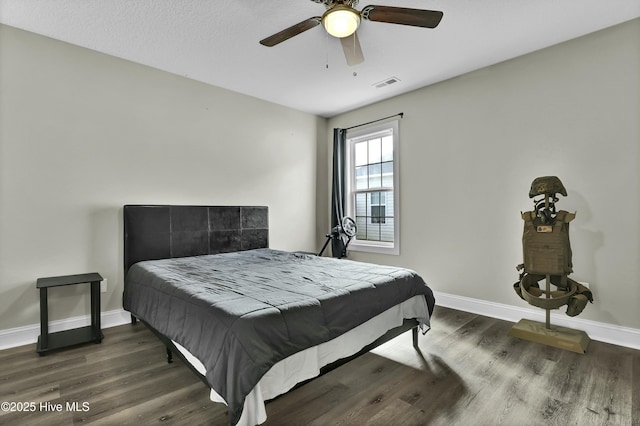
(326, 50)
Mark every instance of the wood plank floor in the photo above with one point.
(468, 372)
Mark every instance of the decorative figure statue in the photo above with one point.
(547, 255)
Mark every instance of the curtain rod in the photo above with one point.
(401, 114)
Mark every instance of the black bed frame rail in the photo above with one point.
(408, 324)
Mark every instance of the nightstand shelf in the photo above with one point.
(92, 333)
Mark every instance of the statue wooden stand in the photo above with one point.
(556, 336)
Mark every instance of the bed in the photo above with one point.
(252, 322)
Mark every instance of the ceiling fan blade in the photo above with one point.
(403, 16)
(292, 31)
(352, 49)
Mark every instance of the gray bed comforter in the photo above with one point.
(240, 313)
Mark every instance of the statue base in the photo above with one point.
(556, 336)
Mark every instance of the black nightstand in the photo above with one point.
(92, 333)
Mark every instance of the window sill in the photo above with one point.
(373, 247)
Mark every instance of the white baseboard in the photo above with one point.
(608, 333)
(26, 335)
(603, 332)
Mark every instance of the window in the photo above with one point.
(372, 188)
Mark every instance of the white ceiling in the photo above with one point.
(216, 42)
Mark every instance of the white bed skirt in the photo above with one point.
(306, 364)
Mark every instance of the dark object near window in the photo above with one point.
(378, 214)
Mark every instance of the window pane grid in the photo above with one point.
(373, 163)
(374, 215)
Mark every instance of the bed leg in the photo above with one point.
(169, 356)
(134, 320)
(414, 332)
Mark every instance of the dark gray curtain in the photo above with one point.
(338, 188)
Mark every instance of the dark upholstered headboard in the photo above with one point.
(163, 231)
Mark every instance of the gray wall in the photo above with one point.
(82, 134)
(471, 146)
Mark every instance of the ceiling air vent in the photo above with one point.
(386, 82)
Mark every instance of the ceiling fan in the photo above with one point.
(341, 20)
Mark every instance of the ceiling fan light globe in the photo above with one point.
(341, 22)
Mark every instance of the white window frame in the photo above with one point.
(354, 136)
